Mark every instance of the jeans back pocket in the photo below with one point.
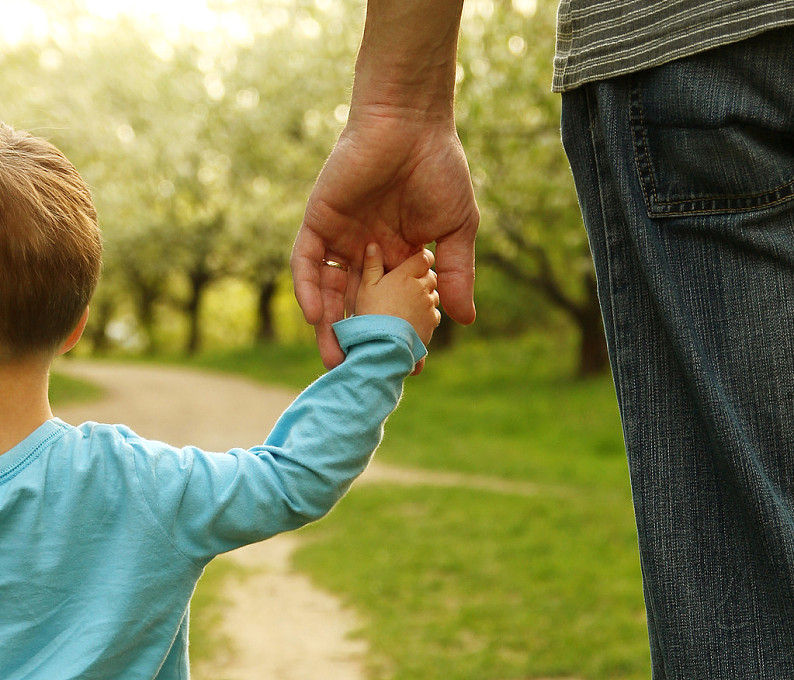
(715, 132)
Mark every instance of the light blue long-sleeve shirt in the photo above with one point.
(103, 534)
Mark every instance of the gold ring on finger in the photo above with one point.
(335, 264)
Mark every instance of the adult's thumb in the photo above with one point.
(372, 271)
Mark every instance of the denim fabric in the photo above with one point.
(685, 176)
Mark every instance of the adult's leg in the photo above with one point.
(685, 176)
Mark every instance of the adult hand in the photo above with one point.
(397, 178)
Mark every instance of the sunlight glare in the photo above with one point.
(526, 7)
(172, 15)
(23, 20)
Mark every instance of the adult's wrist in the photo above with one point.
(420, 85)
(407, 58)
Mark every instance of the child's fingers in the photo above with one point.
(433, 278)
(429, 280)
(372, 269)
(417, 265)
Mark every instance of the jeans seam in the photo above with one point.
(659, 672)
(640, 146)
(593, 146)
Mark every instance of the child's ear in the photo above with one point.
(74, 336)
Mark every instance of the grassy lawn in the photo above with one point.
(466, 584)
(470, 585)
(474, 585)
(64, 389)
(292, 366)
(512, 410)
(208, 643)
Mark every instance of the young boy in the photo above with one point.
(103, 535)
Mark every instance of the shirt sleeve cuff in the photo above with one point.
(359, 329)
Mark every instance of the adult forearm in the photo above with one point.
(408, 55)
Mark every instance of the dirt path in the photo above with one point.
(283, 627)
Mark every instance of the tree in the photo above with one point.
(201, 152)
(509, 122)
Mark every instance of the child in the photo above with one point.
(103, 535)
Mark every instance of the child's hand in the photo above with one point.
(408, 292)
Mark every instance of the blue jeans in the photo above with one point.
(685, 176)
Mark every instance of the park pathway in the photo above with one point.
(280, 625)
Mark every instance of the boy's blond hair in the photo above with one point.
(50, 245)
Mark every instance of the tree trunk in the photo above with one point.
(266, 327)
(145, 301)
(593, 356)
(444, 336)
(100, 318)
(198, 283)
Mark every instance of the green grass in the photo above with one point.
(512, 410)
(292, 366)
(466, 585)
(66, 390)
(471, 585)
(207, 642)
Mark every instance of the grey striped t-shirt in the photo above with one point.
(598, 39)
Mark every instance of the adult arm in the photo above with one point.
(398, 174)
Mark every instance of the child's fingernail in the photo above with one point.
(372, 250)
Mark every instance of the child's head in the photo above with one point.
(50, 246)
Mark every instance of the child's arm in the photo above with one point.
(209, 503)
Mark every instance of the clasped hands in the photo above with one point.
(397, 183)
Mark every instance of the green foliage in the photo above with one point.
(201, 149)
(509, 409)
(533, 253)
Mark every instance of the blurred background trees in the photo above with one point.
(201, 147)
